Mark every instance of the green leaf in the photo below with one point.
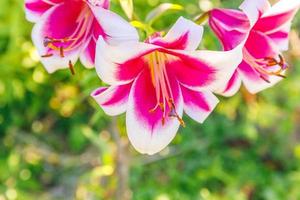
(77, 140)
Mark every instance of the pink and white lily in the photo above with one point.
(66, 30)
(264, 29)
(156, 81)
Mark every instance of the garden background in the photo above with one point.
(56, 143)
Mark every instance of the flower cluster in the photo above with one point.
(155, 81)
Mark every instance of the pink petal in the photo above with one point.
(35, 8)
(120, 64)
(254, 9)
(55, 24)
(112, 100)
(191, 71)
(281, 37)
(281, 8)
(274, 21)
(253, 81)
(61, 21)
(87, 56)
(261, 46)
(184, 35)
(116, 29)
(198, 105)
(230, 26)
(104, 3)
(145, 129)
(210, 70)
(232, 86)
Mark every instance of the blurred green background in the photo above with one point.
(56, 143)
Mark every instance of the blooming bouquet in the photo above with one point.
(155, 80)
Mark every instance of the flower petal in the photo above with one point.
(145, 129)
(34, 9)
(219, 68)
(115, 28)
(253, 81)
(232, 86)
(103, 3)
(191, 71)
(281, 37)
(230, 26)
(280, 14)
(282, 10)
(87, 56)
(276, 22)
(47, 26)
(120, 64)
(184, 35)
(254, 9)
(261, 46)
(113, 100)
(198, 105)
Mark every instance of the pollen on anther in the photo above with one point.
(182, 123)
(47, 41)
(47, 55)
(71, 67)
(163, 121)
(265, 79)
(61, 51)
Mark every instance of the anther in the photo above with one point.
(71, 67)
(282, 62)
(152, 110)
(281, 76)
(182, 123)
(61, 51)
(265, 79)
(161, 105)
(47, 41)
(163, 121)
(271, 62)
(266, 66)
(173, 113)
(47, 55)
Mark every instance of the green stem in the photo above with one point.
(144, 27)
(202, 19)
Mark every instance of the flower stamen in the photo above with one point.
(47, 55)
(61, 51)
(268, 66)
(76, 39)
(173, 113)
(163, 90)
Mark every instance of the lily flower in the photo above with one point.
(66, 30)
(155, 81)
(265, 30)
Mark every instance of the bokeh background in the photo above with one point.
(56, 143)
